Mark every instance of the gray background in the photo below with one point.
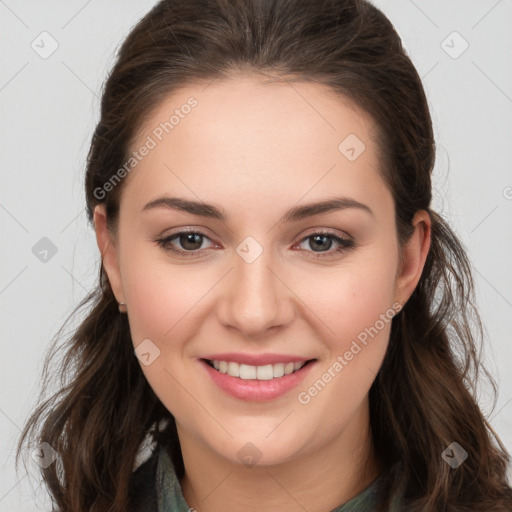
(48, 111)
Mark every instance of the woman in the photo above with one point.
(279, 310)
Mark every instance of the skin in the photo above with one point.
(256, 150)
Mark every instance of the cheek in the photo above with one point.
(163, 301)
(358, 308)
(160, 295)
(164, 296)
(353, 298)
(371, 296)
(360, 312)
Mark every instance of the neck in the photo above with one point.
(335, 472)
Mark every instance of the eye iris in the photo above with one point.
(191, 238)
(321, 240)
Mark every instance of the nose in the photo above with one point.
(255, 298)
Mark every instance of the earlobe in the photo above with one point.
(108, 250)
(415, 252)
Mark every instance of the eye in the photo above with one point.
(321, 242)
(190, 242)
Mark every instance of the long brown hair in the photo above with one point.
(423, 397)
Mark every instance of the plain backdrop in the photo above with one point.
(49, 107)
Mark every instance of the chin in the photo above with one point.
(260, 452)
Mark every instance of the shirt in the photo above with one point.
(156, 488)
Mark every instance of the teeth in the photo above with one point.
(246, 371)
(266, 372)
(278, 370)
(288, 368)
(234, 369)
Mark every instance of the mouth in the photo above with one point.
(256, 377)
(262, 372)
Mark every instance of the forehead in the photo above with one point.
(247, 136)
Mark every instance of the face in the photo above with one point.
(257, 280)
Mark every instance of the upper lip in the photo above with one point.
(256, 359)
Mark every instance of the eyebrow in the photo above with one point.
(293, 215)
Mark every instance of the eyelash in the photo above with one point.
(344, 243)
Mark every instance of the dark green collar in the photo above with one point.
(170, 496)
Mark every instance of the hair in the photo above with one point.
(424, 396)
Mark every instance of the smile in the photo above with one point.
(256, 383)
(265, 372)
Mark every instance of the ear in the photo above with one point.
(414, 255)
(109, 253)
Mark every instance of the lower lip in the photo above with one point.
(255, 390)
